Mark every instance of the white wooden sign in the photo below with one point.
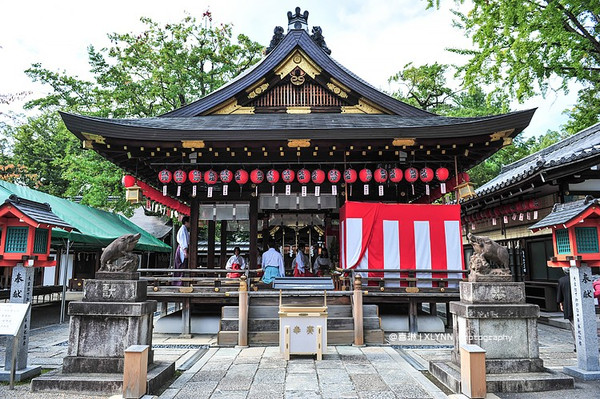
(11, 317)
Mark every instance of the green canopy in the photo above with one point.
(96, 228)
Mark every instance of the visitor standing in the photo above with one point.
(301, 261)
(272, 264)
(182, 251)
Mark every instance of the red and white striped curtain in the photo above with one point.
(401, 236)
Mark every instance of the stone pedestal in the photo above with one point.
(113, 315)
(495, 317)
(584, 319)
(21, 291)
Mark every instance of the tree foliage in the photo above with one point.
(139, 75)
(152, 72)
(522, 44)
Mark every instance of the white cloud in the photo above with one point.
(372, 38)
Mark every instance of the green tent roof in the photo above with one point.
(96, 228)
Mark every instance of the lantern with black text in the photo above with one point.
(365, 176)
(288, 177)
(317, 177)
(256, 177)
(396, 175)
(442, 175)
(272, 177)
(334, 177)
(426, 175)
(179, 176)
(411, 175)
(350, 177)
(241, 177)
(226, 177)
(303, 177)
(195, 177)
(380, 177)
(165, 176)
(210, 178)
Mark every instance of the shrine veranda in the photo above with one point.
(283, 149)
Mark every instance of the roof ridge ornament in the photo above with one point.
(298, 21)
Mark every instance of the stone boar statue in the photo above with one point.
(117, 257)
(490, 250)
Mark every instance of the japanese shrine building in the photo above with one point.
(296, 109)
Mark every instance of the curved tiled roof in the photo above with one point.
(574, 148)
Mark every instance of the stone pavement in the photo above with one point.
(344, 372)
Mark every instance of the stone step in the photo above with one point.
(272, 311)
(272, 324)
(449, 374)
(340, 337)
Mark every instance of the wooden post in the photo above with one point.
(254, 232)
(412, 316)
(243, 312)
(210, 262)
(319, 343)
(186, 318)
(135, 371)
(193, 248)
(286, 342)
(359, 338)
(472, 371)
(223, 258)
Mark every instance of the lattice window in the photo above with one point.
(40, 242)
(587, 239)
(289, 95)
(562, 241)
(16, 239)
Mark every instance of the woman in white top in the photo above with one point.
(235, 262)
(322, 263)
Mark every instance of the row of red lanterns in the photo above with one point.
(303, 176)
(505, 210)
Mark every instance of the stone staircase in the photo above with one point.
(263, 321)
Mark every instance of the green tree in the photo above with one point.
(152, 72)
(139, 75)
(522, 44)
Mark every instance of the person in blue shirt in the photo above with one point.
(272, 264)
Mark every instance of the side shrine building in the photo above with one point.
(282, 147)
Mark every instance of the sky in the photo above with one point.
(372, 38)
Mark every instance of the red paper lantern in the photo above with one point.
(288, 175)
(273, 176)
(179, 176)
(426, 174)
(195, 176)
(226, 176)
(365, 175)
(380, 175)
(442, 174)
(334, 176)
(303, 176)
(165, 176)
(463, 177)
(350, 175)
(241, 176)
(411, 175)
(210, 177)
(318, 176)
(128, 181)
(257, 176)
(396, 175)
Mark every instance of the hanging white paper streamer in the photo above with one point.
(194, 190)
(272, 190)
(505, 219)
(334, 190)
(493, 221)
(178, 191)
(514, 216)
(473, 226)
(209, 192)
(366, 189)
(443, 187)
(288, 189)
(225, 189)
(427, 189)
(528, 215)
(317, 191)
(413, 189)
(521, 217)
(381, 190)
(535, 214)
(165, 190)
(304, 191)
